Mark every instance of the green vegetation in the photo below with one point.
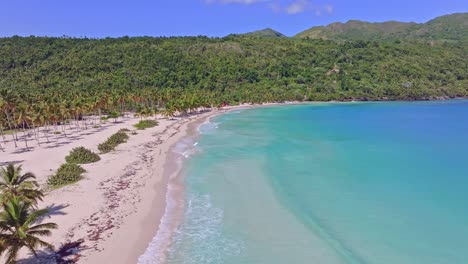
(67, 173)
(112, 142)
(445, 28)
(114, 115)
(82, 155)
(267, 32)
(143, 124)
(21, 223)
(20, 227)
(14, 184)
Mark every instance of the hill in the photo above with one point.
(232, 69)
(267, 32)
(445, 28)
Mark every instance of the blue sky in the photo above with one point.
(102, 18)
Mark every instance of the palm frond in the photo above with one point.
(35, 215)
(12, 254)
(44, 226)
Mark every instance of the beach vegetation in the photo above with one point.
(67, 173)
(21, 226)
(113, 141)
(15, 184)
(143, 124)
(81, 155)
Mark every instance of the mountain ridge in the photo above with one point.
(452, 27)
(267, 32)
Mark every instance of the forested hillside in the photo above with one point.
(452, 27)
(267, 32)
(235, 68)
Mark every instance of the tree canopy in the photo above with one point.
(234, 68)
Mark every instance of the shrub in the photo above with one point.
(124, 130)
(82, 155)
(66, 174)
(104, 118)
(143, 124)
(118, 138)
(112, 142)
(105, 147)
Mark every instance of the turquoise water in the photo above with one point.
(327, 183)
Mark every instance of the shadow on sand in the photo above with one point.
(68, 253)
(14, 162)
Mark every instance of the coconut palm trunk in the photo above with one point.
(10, 127)
(46, 131)
(25, 136)
(36, 134)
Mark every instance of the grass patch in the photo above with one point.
(143, 124)
(82, 155)
(112, 142)
(10, 132)
(68, 173)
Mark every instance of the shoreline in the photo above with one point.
(168, 222)
(122, 197)
(162, 198)
(115, 210)
(174, 200)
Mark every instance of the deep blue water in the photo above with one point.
(381, 183)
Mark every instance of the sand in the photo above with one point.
(117, 207)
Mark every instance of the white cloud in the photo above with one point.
(297, 7)
(292, 8)
(321, 10)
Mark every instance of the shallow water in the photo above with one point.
(329, 183)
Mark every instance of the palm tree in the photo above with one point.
(18, 229)
(168, 112)
(14, 184)
(8, 107)
(22, 121)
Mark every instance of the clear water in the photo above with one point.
(356, 183)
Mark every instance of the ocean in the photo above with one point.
(358, 183)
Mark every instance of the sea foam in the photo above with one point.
(200, 236)
(208, 127)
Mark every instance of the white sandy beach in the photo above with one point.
(117, 207)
